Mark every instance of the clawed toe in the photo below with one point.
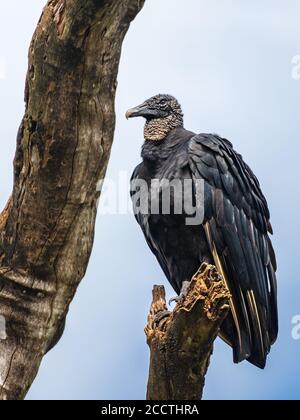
(183, 293)
(176, 299)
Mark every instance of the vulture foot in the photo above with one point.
(183, 293)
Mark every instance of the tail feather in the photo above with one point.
(252, 325)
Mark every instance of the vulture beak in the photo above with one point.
(141, 111)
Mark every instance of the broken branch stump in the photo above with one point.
(181, 342)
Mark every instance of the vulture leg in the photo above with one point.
(183, 293)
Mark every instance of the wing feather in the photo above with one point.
(236, 225)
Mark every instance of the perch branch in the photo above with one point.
(63, 147)
(181, 342)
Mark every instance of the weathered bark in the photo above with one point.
(63, 147)
(181, 342)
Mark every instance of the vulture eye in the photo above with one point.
(163, 103)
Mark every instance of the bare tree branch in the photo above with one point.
(63, 147)
(181, 342)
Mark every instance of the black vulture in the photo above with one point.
(234, 230)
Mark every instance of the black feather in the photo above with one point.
(234, 233)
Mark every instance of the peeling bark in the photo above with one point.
(63, 147)
(181, 342)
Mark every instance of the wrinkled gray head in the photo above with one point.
(163, 113)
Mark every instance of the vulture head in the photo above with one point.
(163, 114)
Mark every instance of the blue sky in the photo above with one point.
(229, 63)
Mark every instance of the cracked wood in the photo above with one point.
(181, 342)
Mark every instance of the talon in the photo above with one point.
(176, 299)
(183, 293)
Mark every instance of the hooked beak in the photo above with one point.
(141, 111)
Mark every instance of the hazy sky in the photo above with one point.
(229, 63)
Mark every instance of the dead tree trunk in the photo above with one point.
(63, 147)
(181, 342)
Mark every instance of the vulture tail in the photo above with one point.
(250, 328)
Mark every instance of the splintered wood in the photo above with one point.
(181, 341)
